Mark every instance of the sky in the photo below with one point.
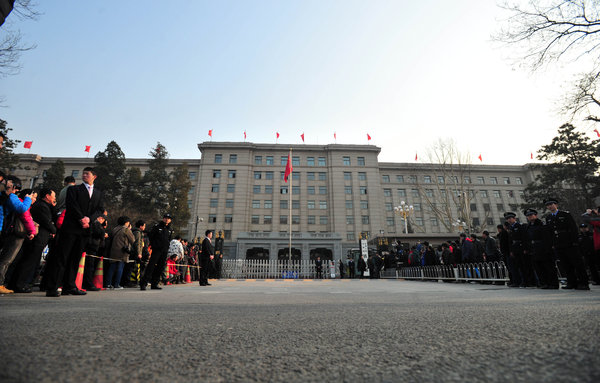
(407, 73)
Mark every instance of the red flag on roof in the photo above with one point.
(244, 134)
(480, 158)
(368, 137)
(302, 135)
(27, 144)
(277, 133)
(288, 168)
(88, 148)
(210, 132)
(334, 136)
(532, 155)
(416, 157)
(597, 132)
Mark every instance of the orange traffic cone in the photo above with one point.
(188, 277)
(99, 275)
(79, 278)
(167, 275)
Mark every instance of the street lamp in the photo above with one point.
(404, 210)
(459, 224)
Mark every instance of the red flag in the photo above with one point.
(532, 155)
(27, 144)
(87, 148)
(277, 134)
(597, 132)
(244, 134)
(288, 168)
(302, 135)
(334, 136)
(368, 137)
(480, 158)
(210, 132)
(416, 157)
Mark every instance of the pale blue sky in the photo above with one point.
(406, 72)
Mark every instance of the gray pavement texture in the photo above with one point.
(304, 331)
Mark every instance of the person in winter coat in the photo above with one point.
(97, 235)
(361, 266)
(122, 239)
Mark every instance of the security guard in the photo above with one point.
(517, 268)
(565, 243)
(538, 247)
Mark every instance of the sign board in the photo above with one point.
(364, 253)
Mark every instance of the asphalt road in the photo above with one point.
(304, 331)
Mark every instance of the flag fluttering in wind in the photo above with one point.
(288, 168)
(302, 135)
(597, 132)
(368, 137)
(244, 134)
(334, 135)
(210, 133)
(27, 144)
(532, 155)
(480, 158)
(416, 157)
(88, 148)
(277, 133)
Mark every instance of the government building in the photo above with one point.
(336, 193)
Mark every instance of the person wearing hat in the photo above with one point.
(517, 268)
(538, 250)
(565, 243)
(160, 238)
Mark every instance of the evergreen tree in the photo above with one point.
(8, 160)
(110, 167)
(156, 183)
(55, 176)
(572, 176)
(178, 196)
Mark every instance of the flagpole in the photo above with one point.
(290, 209)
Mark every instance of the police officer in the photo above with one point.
(522, 272)
(538, 247)
(565, 243)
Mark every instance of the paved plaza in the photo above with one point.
(304, 331)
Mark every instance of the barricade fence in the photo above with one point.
(481, 272)
(272, 269)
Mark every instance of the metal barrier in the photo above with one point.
(272, 269)
(480, 272)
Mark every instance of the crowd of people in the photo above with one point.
(73, 223)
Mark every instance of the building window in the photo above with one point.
(510, 194)
(389, 221)
(387, 192)
(283, 219)
(490, 221)
(230, 188)
(364, 219)
(349, 204)
(434, 221)
(467, 180)
(486, 207)
(429, 193)
(296, 219)
(521, 194)
(412, 179)
(385, 179)
(311, 220)
(388, 206)
(228, 218)
(363, 190)
(212, 218)
(268, 219)
(427, 179)
(214, 202)
(347, 176)
(323, 220)
(481, 180)
(295, 161)
(216, 173)
(519, 181)
(360, 161)
(255, 204)
(218, 158)
(417, 206)
(283, 190)
(295, 204)
(401, 192)
(322, 161)
(350, 236)
(473, 207)
(296, 190)
(346, 161)
(256, 189)
(322, 176)
(215, 188)
(229, 203)
(231, 174)
(441, 180)
(475, 221)
(192, 176)
(269, 160)
(233, 158)
(296, 176)
(500, 207)
(257, 175)
(268, 175)
(310, 190)
(497, 193)
(483, 193)
(349, 220)
(415, 193)
(310, 161)
(257, 160)
(364, 205)
(400, 179)
(362, 176)
(506, 180)
(322, 189)
(283, 204)
(268, 204)
(419, 221)
(310, 176)
(322, 205)
(347, 189)
(189, 204)
(310, 204)
(494, 180)
(284, 160)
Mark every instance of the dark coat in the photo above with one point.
(160, 237)
(96, 238)
(207, 250)
(80, 205)
(43, 213)
(537, 240)
(563, 229)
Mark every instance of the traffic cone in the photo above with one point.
(188, 277)
(79, 278)
(167, 275)
(98, 280)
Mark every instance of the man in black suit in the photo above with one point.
(207, 254)
(83, 205)
(160, 238)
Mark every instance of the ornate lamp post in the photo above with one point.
(460, 225)
(404, 210)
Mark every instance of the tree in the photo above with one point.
(179, 188)
(156, 182)
(110, 167)
(8, 160)
(55, 176)
(559, 30)
(572, 177)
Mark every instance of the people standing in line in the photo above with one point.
(139, 246)
(592, 218)
(122, 240)
(586, 244)
(351, 269)
(565, 243)
(515, 237)
(83, 204)
(362, 266)
(491, 252)
(42, 212)
(319, 268)
(160, 238)
(342, 268)
(61, 199)
(205, 257)
(538, 248)
(466, 248)
(92, 251)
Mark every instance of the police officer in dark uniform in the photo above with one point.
(538, 246)
(515, 255)
(160, 238)
(565, 243)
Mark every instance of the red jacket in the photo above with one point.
(596, 228)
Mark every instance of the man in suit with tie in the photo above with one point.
(207, 254)
(83, 205)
